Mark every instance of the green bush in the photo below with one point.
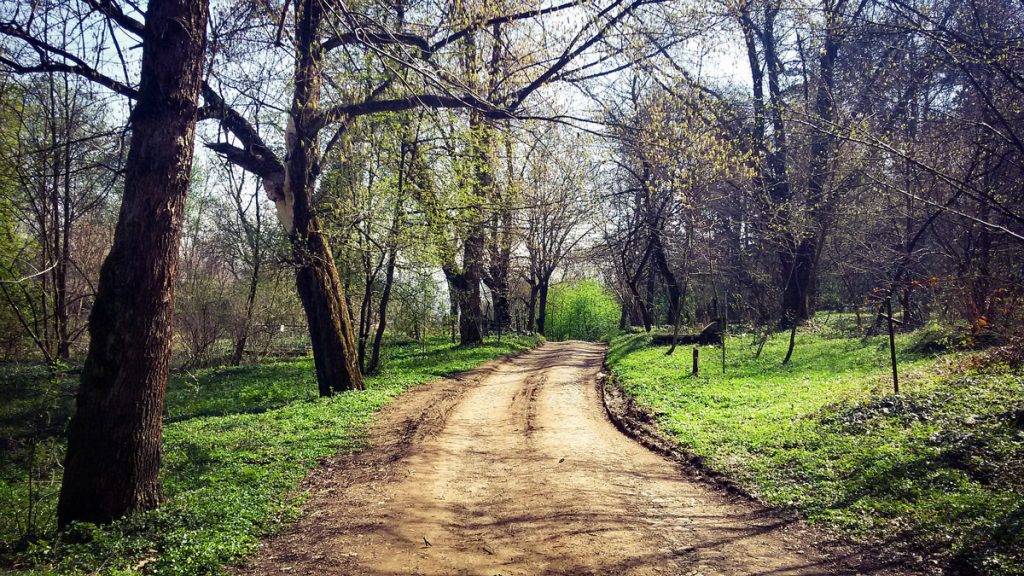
(583, 310)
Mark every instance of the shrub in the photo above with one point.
(583, 310)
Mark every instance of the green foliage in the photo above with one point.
(583, 310)
(938, 469)
(236, 443)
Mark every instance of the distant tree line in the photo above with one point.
(873, 155)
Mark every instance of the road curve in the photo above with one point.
(515, 469)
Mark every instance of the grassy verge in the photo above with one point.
(936, 473)
(236, 443)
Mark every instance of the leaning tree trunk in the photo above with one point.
(113, 456)
(316, 277)
(334, 349)
(671, 281)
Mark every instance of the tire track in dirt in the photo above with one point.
(515, 469)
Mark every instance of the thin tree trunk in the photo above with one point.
(64, 239)
(892, 347)
(648, 303)
(675, 334)
(792, 343)
(365, 310)
(250, 307)
(113, 456)
(382, 314)
(453, 305)
(623, 314)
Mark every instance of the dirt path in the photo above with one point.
(515, 469)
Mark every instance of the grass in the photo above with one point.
(236, 443)
(936, 472)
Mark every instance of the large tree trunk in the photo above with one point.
(316, 277)
(464, 292)
(470, 309)
(334, 349)
(798, 282)
(542, 311)
(113, 456)
(531, 308)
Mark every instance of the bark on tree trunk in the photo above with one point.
(113, 456)
(531, 309)
(382, 313)
(467, 291)
(64, 259)
(365, 310)
(334, 349)
(542, 312)
(453, 304)
(799, 276)
(675, 292)
(649, 300)
(316, 277)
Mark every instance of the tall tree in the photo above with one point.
(323, 29)
(113, 457)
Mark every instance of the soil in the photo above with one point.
(516, 469)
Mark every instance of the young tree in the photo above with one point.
(556, 214)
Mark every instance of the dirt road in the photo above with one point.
(516, 469)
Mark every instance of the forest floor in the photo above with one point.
(515, 468)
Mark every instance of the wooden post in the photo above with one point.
(892, 346)
(696, 361)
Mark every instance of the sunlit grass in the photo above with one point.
(936, 469)
(236, 443)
